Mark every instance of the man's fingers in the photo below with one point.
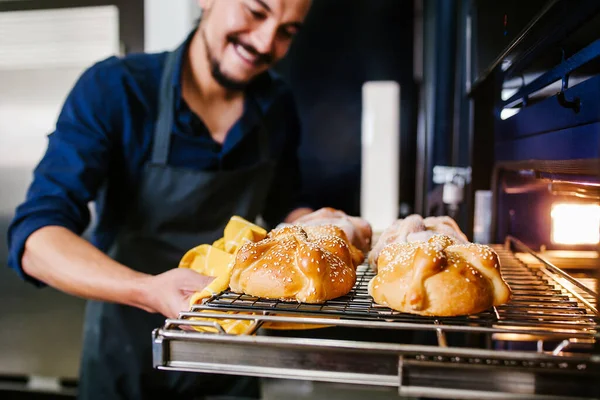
(196, 281)
(202, 281)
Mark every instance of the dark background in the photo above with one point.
(342, 45)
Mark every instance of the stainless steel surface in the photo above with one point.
(547, 265)
(540, 345)
(424, 370)
(40, 329)
(277, 389)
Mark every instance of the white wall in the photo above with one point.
(30, 101)
(33, 86)
(57, 37)
(42, 54)
(167, 23)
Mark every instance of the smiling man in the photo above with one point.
(169, 146)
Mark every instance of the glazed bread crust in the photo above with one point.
(293, 264)
(415, 229)
(357, 230)
(440, 277)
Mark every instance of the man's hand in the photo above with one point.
(297, 213)
(59, 258)
(169, 293)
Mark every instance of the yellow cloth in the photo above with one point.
(231, 326)
(219, 244)
(239, 231)
(217, 260)
(210, 261)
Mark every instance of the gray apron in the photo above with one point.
(175, 210)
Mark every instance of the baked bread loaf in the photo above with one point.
(415, 229)
(440, 277)
(314, 231)
(358, 231)
(291, 264)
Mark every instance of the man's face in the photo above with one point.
(243, 38)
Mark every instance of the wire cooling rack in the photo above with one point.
(542, 302)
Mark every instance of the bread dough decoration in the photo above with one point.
(358, 231)
(439, 277)
(316, 231)
(415, 229)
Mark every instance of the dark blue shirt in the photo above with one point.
(103, 138)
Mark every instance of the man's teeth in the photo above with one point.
(246, 54)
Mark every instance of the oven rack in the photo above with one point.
(546, 334)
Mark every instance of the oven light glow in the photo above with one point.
(575, 223)
(506, 113)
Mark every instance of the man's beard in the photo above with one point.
(221, 77)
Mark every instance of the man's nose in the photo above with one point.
(264, 38)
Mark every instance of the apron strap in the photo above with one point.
(164, 124)
(264, 147)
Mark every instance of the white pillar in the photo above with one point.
(379, 196)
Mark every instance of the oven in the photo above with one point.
(535, 143)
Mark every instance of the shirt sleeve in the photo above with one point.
(285, 193)
(73, 167)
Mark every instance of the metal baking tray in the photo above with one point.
(544, 344)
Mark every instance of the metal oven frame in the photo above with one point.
(538, 346)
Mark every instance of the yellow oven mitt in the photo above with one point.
(238, 232)
(210, 261)
(217, 260)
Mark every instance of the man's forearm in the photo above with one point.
(59, 258)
